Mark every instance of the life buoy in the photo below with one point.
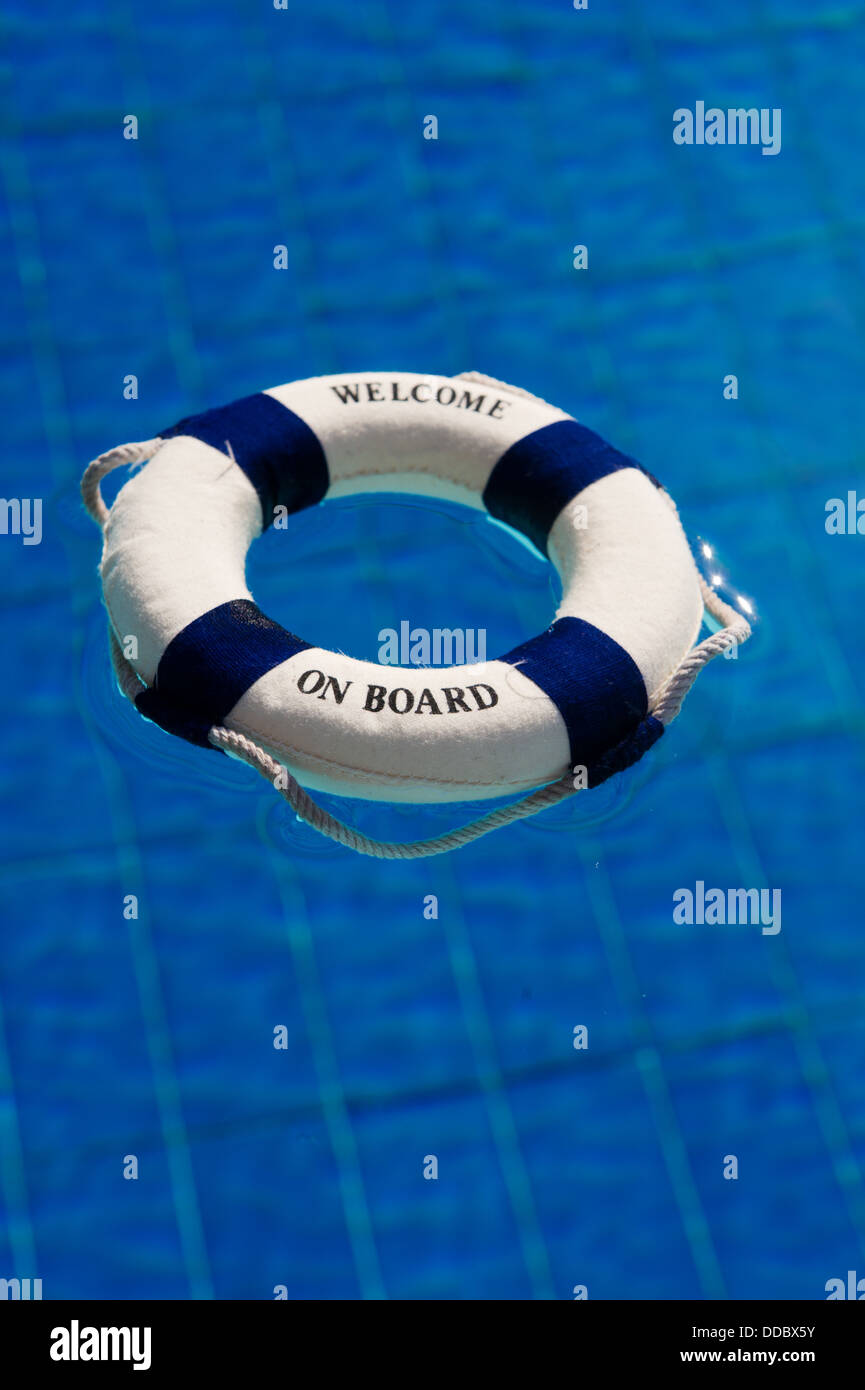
(586, 693)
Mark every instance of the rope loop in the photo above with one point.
(132, 454)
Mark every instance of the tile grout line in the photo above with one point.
(13, 1178)
(668, 1131)
(648, 1059)
(488, 1072)
(178, 317)
(34, 274)
(355, 1206)
(814, 1071)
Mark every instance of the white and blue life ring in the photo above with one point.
(581, 694)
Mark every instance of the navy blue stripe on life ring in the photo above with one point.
(208, 666)
(277, 451)
(542, 473)
(593, 682)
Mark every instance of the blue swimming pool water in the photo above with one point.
(410, 1037)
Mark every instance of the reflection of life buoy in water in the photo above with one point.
(593, 691)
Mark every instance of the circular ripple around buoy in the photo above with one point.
(592, 806)
(118, 721)
(285, 831)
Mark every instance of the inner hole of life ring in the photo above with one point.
(400, 559)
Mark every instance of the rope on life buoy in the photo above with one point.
(665, 707)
